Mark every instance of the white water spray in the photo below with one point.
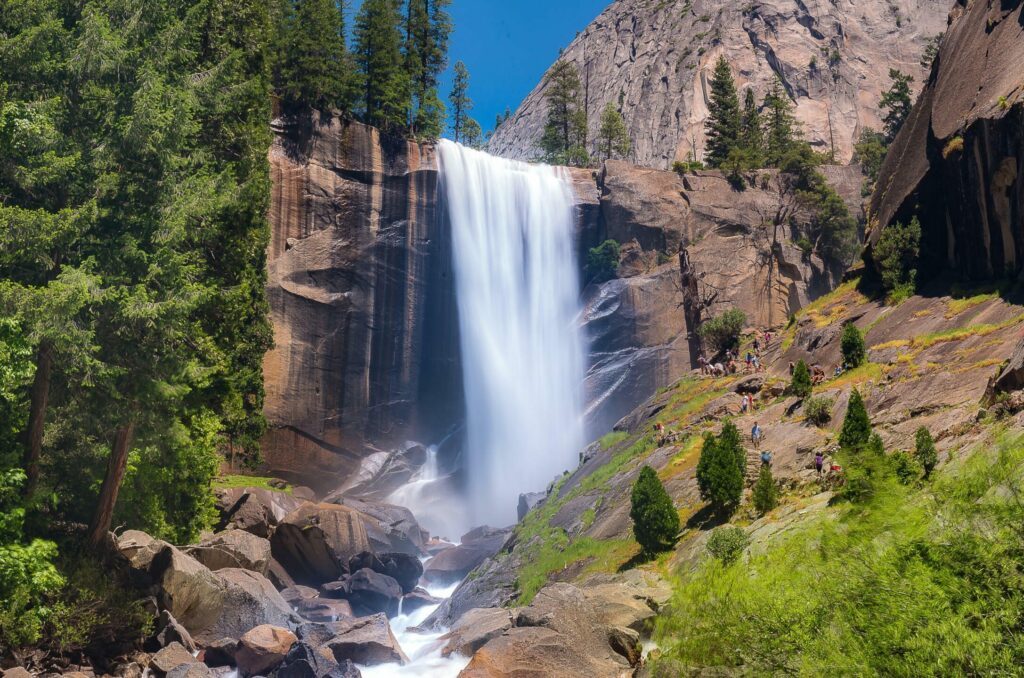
(522, 352)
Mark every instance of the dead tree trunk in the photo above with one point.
(116, 466)
(692, 306)
(32, 438)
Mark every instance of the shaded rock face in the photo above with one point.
(360, 297)
(653, 60)
(958, 162)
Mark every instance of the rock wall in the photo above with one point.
(653, 60)
(958, 162)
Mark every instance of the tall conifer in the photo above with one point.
(383, 81)
(723, 123)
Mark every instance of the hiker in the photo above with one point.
(750, 360)
(755, 435)
(731, 366)
(703, 363)
(758, 366)
(719, 370)
(767, 339)
(819, 462)
(745, 404)
(659, 430)
(757, 345)
(766, 458)
(839, 371)
(792, 368)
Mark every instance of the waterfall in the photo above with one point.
(518, 299)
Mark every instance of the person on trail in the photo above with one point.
(819, 461)
(659, 431)
(745, 403)
(839, 371)
(731, 366)
(792, 368)
(766, 458)
(750, 360)
(757, 345)
(755, 435)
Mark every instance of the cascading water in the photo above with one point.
(522, 351)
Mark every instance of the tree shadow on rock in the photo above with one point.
(706, 519)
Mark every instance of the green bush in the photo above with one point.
(818, 410)
(856, 431)
(766, 492)
(723, 332)
(800, 384)
(852, 346)
(721, 468)
(924, 451)
(905, 467)
(896, 258)
(603, 261)
(655, 519)
(728, 544)
(865, 471)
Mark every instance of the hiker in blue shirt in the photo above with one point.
(755, 435)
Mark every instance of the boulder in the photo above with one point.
(403, 568)
(388, 527)
(295, 594)
(16, 672)
(366, 641)
(306, 661)
(626, 642)
(416, 599)
(475, 628)
(453, 564)
(535, 651)
(278, 575)
(371, 592)
(190, 671)
(220, 652)
(170, 631)
(436, 545)
(381, 473)
(335, 589)
(527, 501)
(365, 559)
(233, 548)
(263, 649)
(137, 550)
(170, 657)
(314, 541)
(193, 594)
(250, 515)
(250, 600)
(304, 493)
(324, 609)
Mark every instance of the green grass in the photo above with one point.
(612, 438)
(234, 481)
(557, 553)
(960, 333)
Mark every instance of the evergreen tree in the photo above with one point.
(384, 84)
(724, 121)
(502, 118)
(924, 450)
(896, 103)
(721, 469)
(852, 346)
(473, 135)
(780, 132)
(427, 29)
(613, 137)
(460, 102)
(765, 493)
(751, 131)
(708, 452)
(856, 431)
(655, 519)
(800, 384)
(731, 443)
(896, 256)
(314, 67)
(565, 132)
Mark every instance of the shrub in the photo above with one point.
(896, 256)
(924, 451)
(720, 470)
(903, 465)
(723, 332)
(728, 544)
(864, 472)
(603, 261)
(800, 385)
(655, 519)
(818, 410)
(852, 345)
(805, 245)
(766, 493)
(954, 145)
(856, 431)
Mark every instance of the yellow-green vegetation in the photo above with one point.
(683, 460)
(919, 579)
(690, 396)
(957, 306)
(960, 333)
(825, 309)
(857, 376)
(233, 481)
(895, 343)
(613, 438)
(954, 145)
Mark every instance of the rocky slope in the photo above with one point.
(653, 59)
(958, 163)
(363, 308)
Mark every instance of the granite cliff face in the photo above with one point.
(958, 162)
(363, 306)
(653, 60)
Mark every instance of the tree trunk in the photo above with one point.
(116, 467)
(33, 435)
(692, 307)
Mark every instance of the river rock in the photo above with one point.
(233, 548)
(221, 652)
(170, 631)
(435, 545)
(16, 672)
(455, 563)
(193, 594)
(367, 641)
(536, 651)
(279, 576)
(314, 541)
(189, 671)
(324, 609)
(262, 649)
(250, 600)
(305, 661)
(297, 593)
(388, 527)
(371, 592)
(416, 599)
(381, 473)
(475, 628)
(170, 657)
(249, 514)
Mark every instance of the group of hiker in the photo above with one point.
(818, 373)
(731, 365)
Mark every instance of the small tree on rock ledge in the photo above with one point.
(655, 519)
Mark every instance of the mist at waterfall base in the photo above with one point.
(517, 292)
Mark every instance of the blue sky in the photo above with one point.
(507, 45)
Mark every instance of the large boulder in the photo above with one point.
(475, 628)
(170, 657)
(233, 548)
(170, 631)
(388, 527)
(381, 473)
(306, 661)
(315, 541)
(250, 600)
(416, 599)
(371, 592)
(367, 641)
(324, 609)
(453, 564)
(193, 594)
(295, 594)
(263, 649)
(527, 501)
(535, 651)
(404, 568)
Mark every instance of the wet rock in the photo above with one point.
(627, 643)
(315, 541)
(416, 599)
(170, 631)
(367, 641)
(527, 501)
(371, 592)
(435, 546)
(403, 568)
(381, 473)
(262, 649)
(297, 593)
(305, 661)
(453, 564)
(221, 652)
(324, 609)
(250, 600)
(365, 559)
(335, 589)
(388, 527)
(475, 628)
(168, 658)
(233, 548)
(190, 671)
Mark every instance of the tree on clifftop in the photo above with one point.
(460, 101)
(427, 29)
(896, 103)
(313, 66)
(724, 122)
(565, 133)
(385, 88)
(780, 125)
(613, 138)
(655, 519)
(751, 130)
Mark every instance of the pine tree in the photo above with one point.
(385, 85)
(852, 346)
(473, 135)
(707, 453)
(721, 468)
(427, 29)
(896, 103)
(780, 134)
(924, 450)
(724, 120)
(751, 131)
(655, 519)
(800, 385)
(460, 102)
(314, 66)
(565, 133)
(613, 137)
(765, 493)
(856, 431)
(731, 443)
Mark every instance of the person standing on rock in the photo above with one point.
(755, 435)
(744, 404)
(819, 462)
